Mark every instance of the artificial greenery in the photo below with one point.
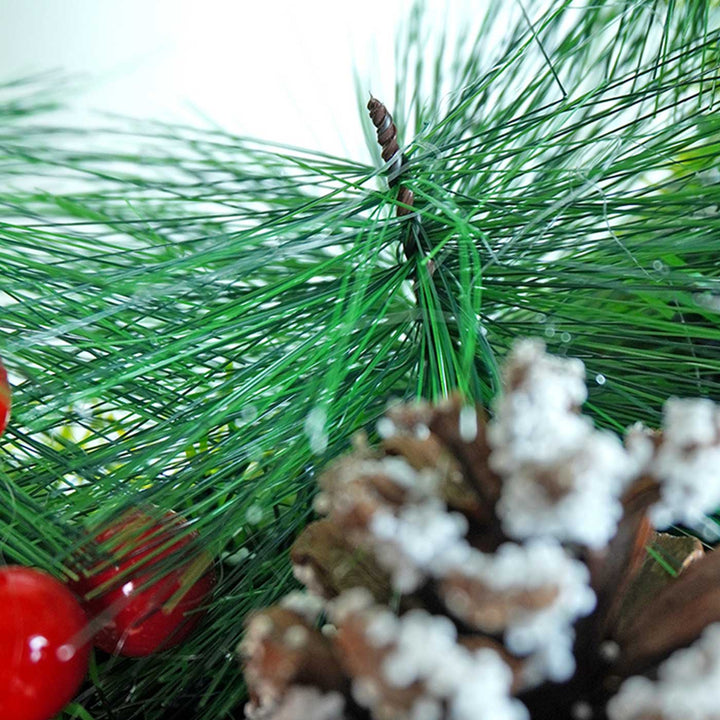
(199, 321)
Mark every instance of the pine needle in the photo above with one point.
(200, 321)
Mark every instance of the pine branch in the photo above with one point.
(200, 320)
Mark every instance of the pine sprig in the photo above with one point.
(198, 321)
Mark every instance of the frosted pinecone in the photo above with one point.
(471, 568)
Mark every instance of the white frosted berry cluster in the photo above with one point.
(533, 594)
(561, 477)
(422, 667)
(476, 685)
(541, 632)
(685, 460)
(415, 542)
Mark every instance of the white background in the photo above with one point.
(278, 70)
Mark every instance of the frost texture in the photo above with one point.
(687, 463)
(413, 541)
(535, 421)
(402, 474)
(687, 688)
(561, 477)
(476, 685)
(545, 632)
(304, 604)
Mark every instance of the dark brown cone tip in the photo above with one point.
(390, 150)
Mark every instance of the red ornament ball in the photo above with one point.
(4, 399)
(137, 603)
(44, 646)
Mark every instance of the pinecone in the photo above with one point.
(504, 569)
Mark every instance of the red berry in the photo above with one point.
(4, 399)
(130, 597)
(44, 646)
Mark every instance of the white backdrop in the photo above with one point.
(274, 69)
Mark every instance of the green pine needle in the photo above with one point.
(199, 321)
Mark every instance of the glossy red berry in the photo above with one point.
(44, 644)
(137, 603)
(4, 399)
